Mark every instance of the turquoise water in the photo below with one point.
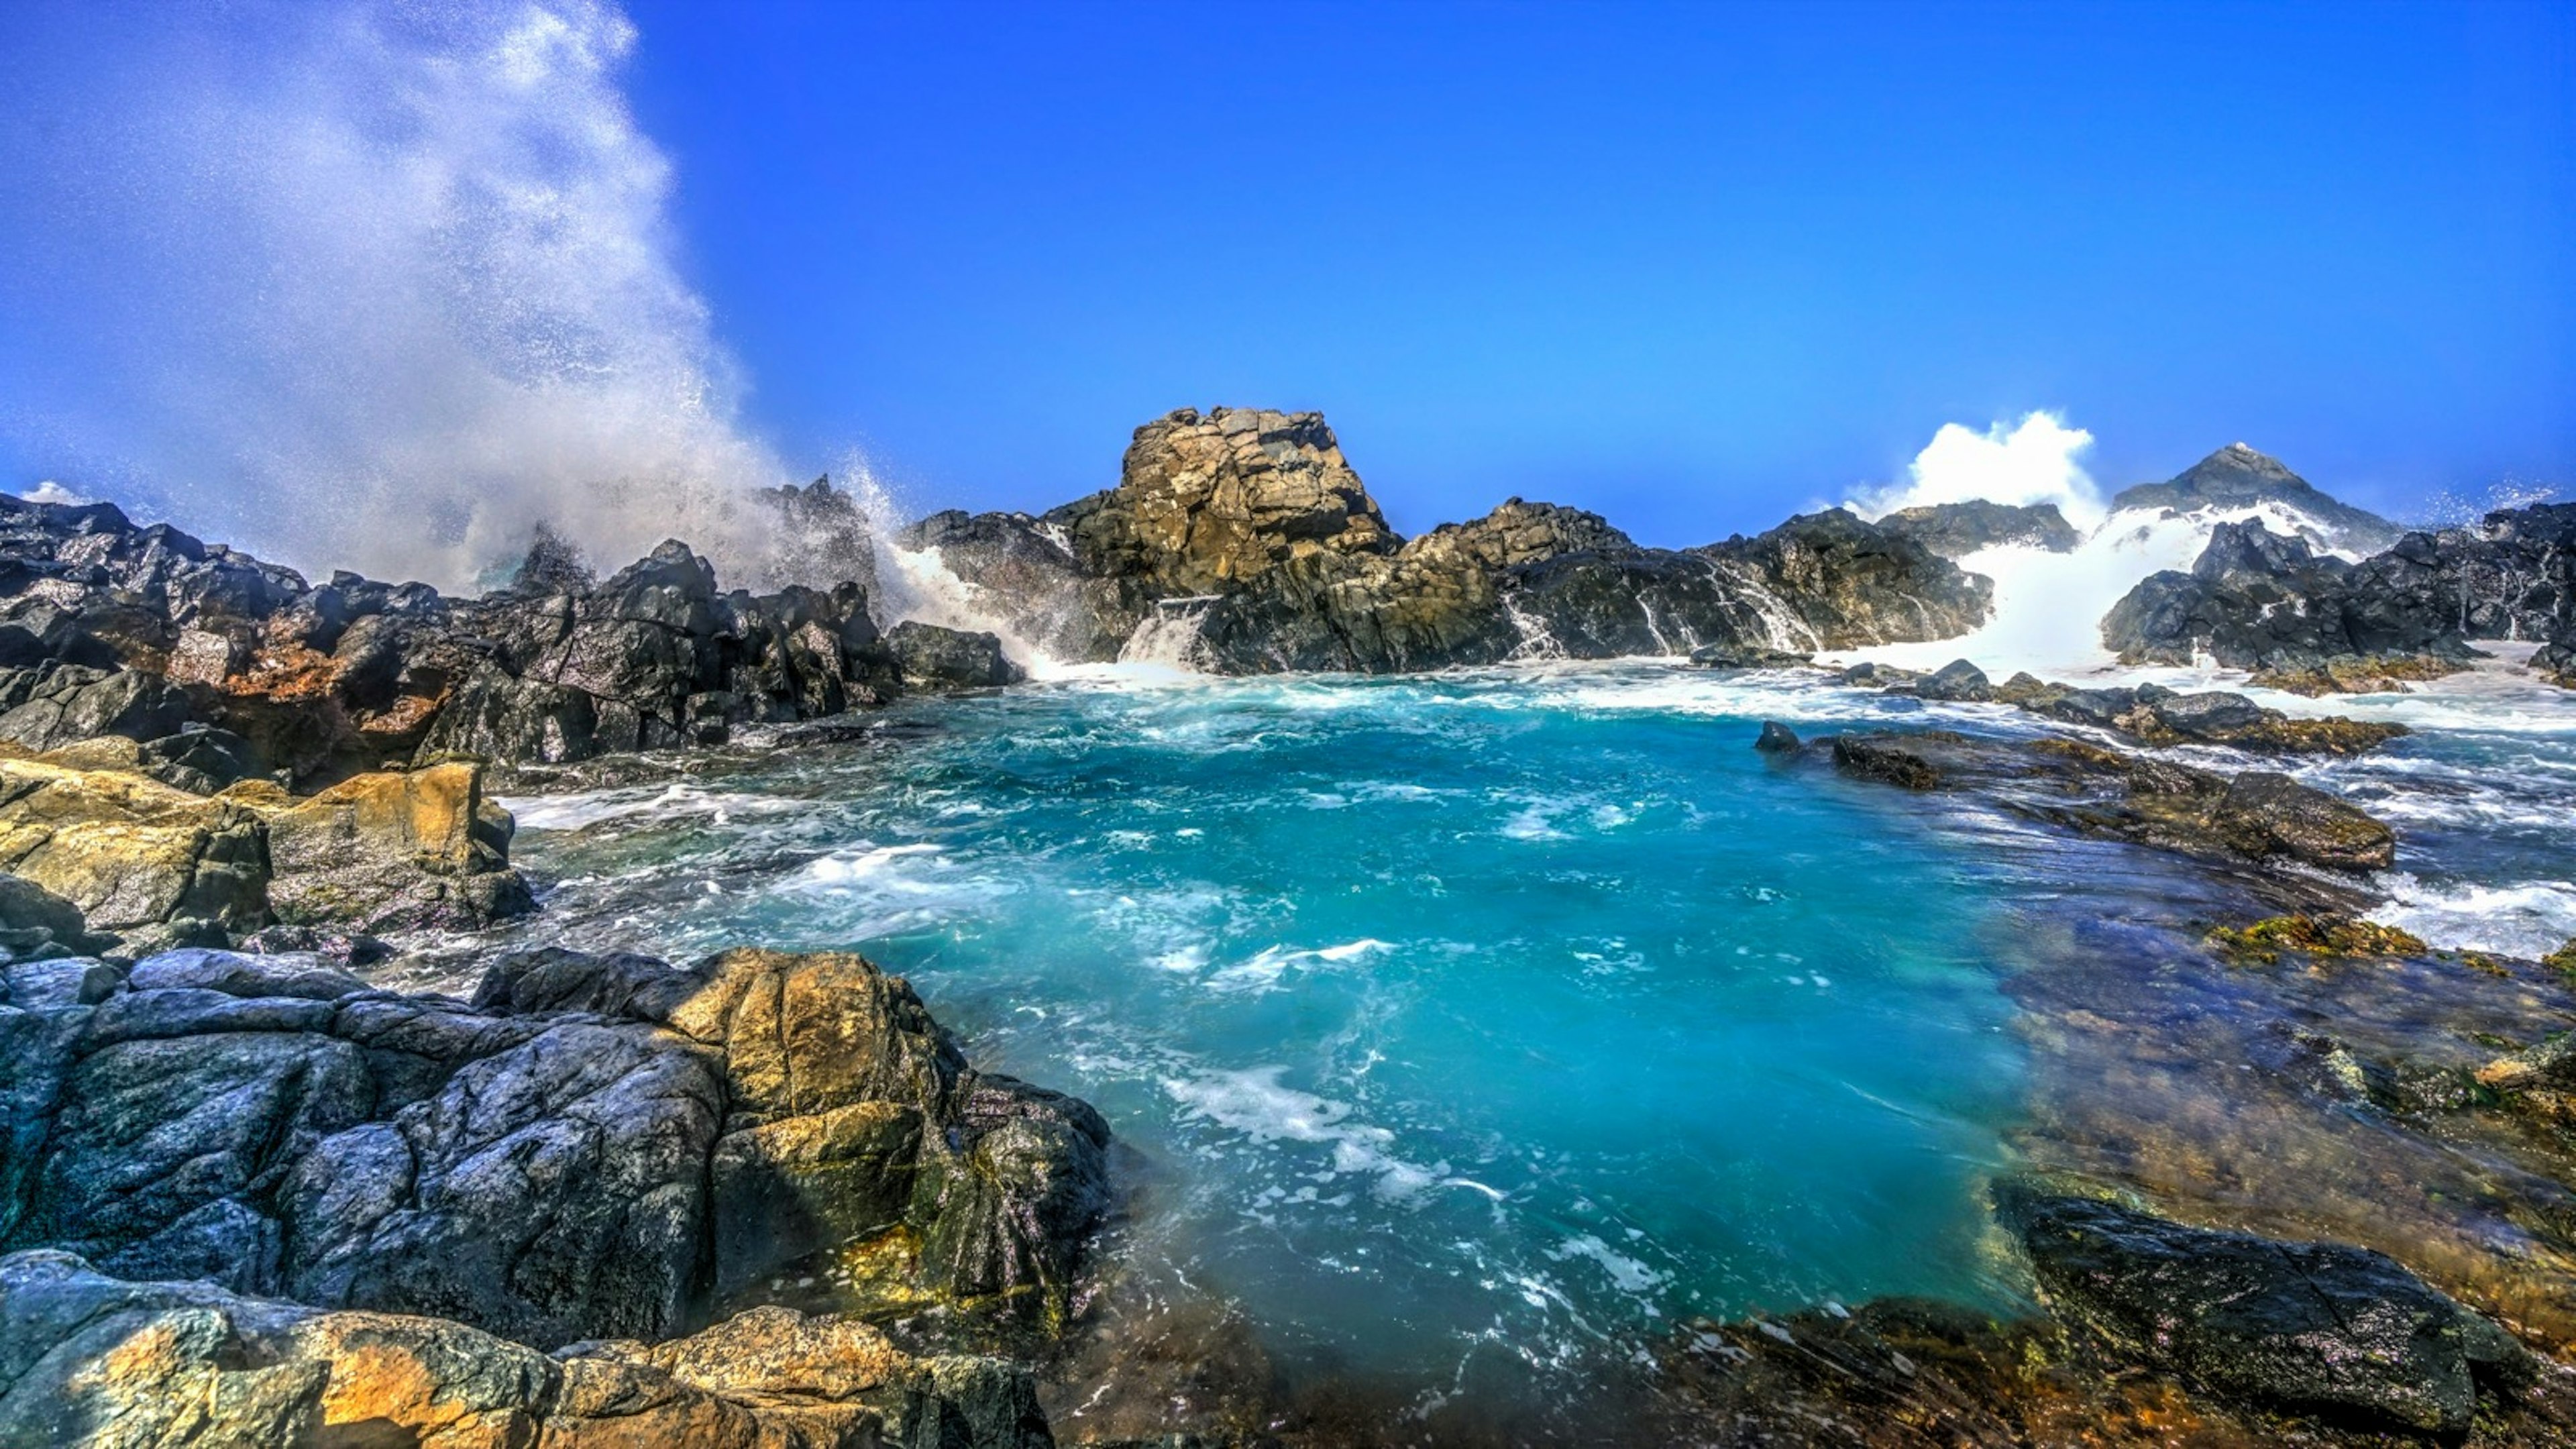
(1488, 1015)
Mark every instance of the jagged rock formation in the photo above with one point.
(110, 629)
(1955, 530)
(601, 1146)
(2236, 476)
(1244, 542)
(2255, 600)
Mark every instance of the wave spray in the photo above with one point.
(381, 286)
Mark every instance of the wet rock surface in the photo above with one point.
(2253, 816)
(1955, 530)
(2334, 1332)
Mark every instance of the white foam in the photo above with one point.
(1627, 1274)
(1253, 1102)
(2529, 919)
(845, 868)
(2029, 462)
(1266, 967)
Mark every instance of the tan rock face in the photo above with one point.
(131, 852)
(1204, 502)
(380, 851)
(110, 1363)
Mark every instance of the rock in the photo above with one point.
(386, 851)
(1955, 530)
(36, 924)
(2264, 813)
(2237, 476)
(1851, 584)
(936, 659)
(2257, 816)
(596, 1148)
(235, 974)
(1777, 739)
(1205, 502)
(59, 981)
(87, 1360)
(394, 851)
(2264, 941)
(135, 856)
(2320, 1330)
(1749, 656)
(2255, 602)
(66, 703)
(1956, 681)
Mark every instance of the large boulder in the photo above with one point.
(392, 851)
(90, 1361)
(388, 851)
(936, 660)
(137, 857)
(602, 1146)
(1205, 502)
(2316, 1329)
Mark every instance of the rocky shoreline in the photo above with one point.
(249, 1196)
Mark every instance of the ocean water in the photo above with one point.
(1485, 1021)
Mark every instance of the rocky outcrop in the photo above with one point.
(656, 657)
(2254, 816)
(155, 864)
(1955, 530)
(2257, 601)
(1207, 502)
(2319, 1330)
(89, 1360)
(107, 629)
(1242, 542)
(2237, 477)
(599, 1147)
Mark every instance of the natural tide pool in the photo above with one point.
(1457, 1028)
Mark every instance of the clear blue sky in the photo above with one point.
(1690, 265)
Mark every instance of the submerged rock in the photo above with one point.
(2316, 1329)
(2257, 815)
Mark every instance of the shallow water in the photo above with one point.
(1498, 1018)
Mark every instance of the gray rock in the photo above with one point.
(936, 659)
(1956, 681)
(236, 974)
(2332, 1332)
(1777, 739)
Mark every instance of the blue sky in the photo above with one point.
(1692, 266)
(1685, 264)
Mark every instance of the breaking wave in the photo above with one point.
(380, 286)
